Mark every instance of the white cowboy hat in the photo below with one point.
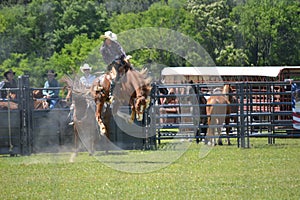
(85, 66)
(109, 35)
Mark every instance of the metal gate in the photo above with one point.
(26, 130)
(264, 110)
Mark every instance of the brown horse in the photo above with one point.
(218, 112)
(8, 105)
(38, 102)
(234, 108)
(133, 89)
(85, 124)
(100, 91)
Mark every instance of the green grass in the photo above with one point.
(227, 172)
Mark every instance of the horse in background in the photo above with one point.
(85, 124)
(201, 101)
(8, 105)
(38, 102)
(234, 108)
(218, 111)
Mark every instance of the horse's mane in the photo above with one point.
(74, 84)
(132, 83)
(138, 79)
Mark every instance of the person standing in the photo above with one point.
(87, 79)
(9, 82)
(51, 94)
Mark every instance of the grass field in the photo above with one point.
(227, 172)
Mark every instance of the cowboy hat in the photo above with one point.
(9, 71)
(51, 72)
(85, 66)
(109, 35)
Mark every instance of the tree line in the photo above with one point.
(37, 35)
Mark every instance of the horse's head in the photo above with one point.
(141, 104)
(37, 94)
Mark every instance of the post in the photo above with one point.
(26, 137)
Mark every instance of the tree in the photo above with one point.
(270, 30)
(211, 25)
(73, 55)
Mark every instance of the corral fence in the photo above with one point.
(25, 130)
(264, 109)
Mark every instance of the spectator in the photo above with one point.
(170, 100)
(51, 94)
(87, 79)
(9, 82)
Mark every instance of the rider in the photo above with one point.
(111, 50)
(87, 80)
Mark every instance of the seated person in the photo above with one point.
(9, 82)
(51, 94)
(171, 99)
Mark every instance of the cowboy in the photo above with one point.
(51, 94)
(9, 82)
(111, 49)
(87, 79)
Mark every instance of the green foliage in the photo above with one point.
(73, 55)
(41, 34)
(212, 24)
(270, 30)
(3, 23)
(231, 56)
(125, 6)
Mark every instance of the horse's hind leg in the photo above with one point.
(210, 139)
(227, 120)
(207, 139)
(219, 134)
(76, 138)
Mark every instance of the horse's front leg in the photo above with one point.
(76, 140)
(133, 112)
(99, 108)
(210, 130)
